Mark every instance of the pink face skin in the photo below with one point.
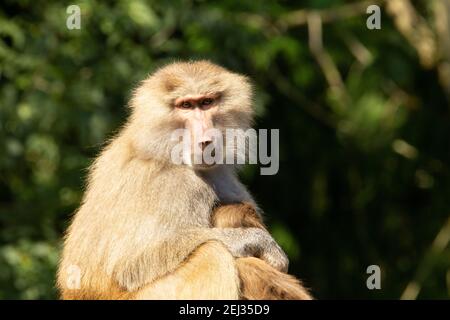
(197, 111)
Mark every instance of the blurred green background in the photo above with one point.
(363, 116)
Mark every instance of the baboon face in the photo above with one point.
(199, 97)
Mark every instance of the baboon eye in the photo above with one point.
(207, 101)
(185, 105)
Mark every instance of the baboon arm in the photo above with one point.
(158, 260)
(209, 273)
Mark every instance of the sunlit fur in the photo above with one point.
(143, 230)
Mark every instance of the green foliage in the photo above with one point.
(365, 169)
(31, 265)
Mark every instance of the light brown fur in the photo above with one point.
(143, 230)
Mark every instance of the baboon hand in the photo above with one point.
(255, 242)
